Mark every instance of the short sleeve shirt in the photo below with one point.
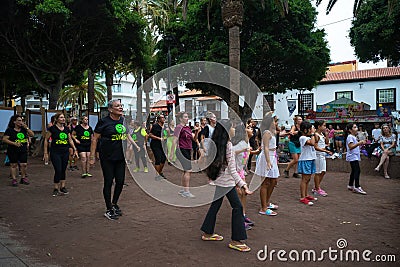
(60, 142)
(307, 151)
(112, 132)
(83, 135)
(184, 135)
(17, 137)
(156, 130)
(352, 154)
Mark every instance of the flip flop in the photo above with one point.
(272, 206)
(214, 237)
(268, 212)
(240, 247)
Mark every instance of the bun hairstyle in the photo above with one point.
(305, 127)
(220, 137)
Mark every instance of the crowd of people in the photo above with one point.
(223, 149)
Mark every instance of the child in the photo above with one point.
(267, 164)
(306, 164)
(353, 156)
(321, 142)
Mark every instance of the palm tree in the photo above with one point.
(77, 94)
(356, 7)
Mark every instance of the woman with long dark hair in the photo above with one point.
(294, 147)
(60, 144)
(82, 135)
(16, 137)
(223, 171)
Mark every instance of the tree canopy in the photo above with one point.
(375, 31)
(56, 40)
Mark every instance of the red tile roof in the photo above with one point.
(372, 74)
(159, 104)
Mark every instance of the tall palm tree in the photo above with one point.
(77, 94)
(356, 7)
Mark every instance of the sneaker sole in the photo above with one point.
(111, 218)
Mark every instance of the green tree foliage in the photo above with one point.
(277, 53)
(56, 40)
(375, 31)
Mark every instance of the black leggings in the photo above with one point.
(112, 169)
(140, 154)
(355, 174)
(60, 163)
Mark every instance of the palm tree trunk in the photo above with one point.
(139, 106)
(234, 62)
(109, 83)
(90, 91)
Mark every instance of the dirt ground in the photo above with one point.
(72, 231)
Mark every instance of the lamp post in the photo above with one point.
(168, 39)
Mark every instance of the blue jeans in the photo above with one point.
(237, 225)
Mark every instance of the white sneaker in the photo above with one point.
(351, 188)
(187, 194)
(359, 190)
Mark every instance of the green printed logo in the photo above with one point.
(165, 133)
(134, 137)
(20, 136)
(86, 133)
(63, 136)
(120, 128)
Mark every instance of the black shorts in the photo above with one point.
(184, 157)
(81, 148)
(15, 156)
(159, 155)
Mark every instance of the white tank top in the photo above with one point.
(272, 142)
(321, 144)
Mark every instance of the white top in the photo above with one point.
(376, 133)
(307, 151)
(321, 144)
(352, 154)
(229, 177)
(241, 158)
(211, 130)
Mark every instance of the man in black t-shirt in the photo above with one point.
(157, 137)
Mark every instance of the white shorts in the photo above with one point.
(320, 163)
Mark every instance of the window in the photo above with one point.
(346, 94)
(188, 106)
(386, 98)
(116, 88)
(270, 101)
(305, 102)
(211, 107)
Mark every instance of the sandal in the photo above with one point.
(268, 212)
(272, 206)
(213, 237)
(240, 247)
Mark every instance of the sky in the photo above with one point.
(337, 26)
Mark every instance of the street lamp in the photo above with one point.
(168, 39)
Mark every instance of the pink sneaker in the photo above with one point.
(321, 192)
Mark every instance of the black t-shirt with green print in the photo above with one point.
(112, 132)
(59, 139)
(83, 135)
(18, 137)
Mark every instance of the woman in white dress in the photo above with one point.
(267, 164)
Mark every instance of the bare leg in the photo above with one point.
(14, 170)
(23, 170)
(305, 179)
(185, 180)
(263, 194)
(271, 185)
(317, 181)
(386, 166)
(84, 162)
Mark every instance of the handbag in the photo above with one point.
(377, 152)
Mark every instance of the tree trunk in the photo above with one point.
(109, 83)
(234, 62)
(139, 93)
(23, 103)
(90, 106)
(53, 99)
(147, 105)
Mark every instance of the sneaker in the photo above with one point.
(136, 169)
(117, 210)
(146, 170)
(24, 181)
(247, 226)
(319, 192)
(64, 191)
(296, 175)
(84, 175)
(163, 176)
(311, 198)
(181, 192)
(350, 188)
(14, 182)
(56, 192)
(158, 178)
(286, 174)
(110, 214)
(70, 168)
(187, 194)
(306, 201)
(89, 175)
(248, 221)
(359, 190)
(211, 182)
